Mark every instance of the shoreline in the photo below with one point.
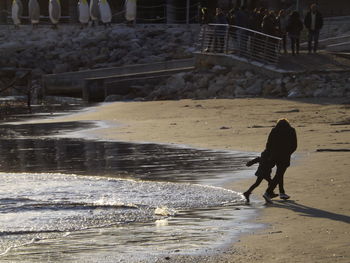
(235, 226)
(314, 225)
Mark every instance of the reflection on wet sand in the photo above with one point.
(29, 153)
(35, 151)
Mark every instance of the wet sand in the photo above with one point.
(314, 225)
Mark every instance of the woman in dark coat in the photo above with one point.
(281, 143)
(294, 27)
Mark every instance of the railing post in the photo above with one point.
(252, 46)
(204, 27)
(265, 45)
(227, 39)
(29, 90)
(278, 51)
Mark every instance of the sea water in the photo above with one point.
(70, 199)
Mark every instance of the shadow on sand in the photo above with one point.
(304, 210)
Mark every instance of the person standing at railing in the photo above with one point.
(205, 19)
(205, 16)
(260, 17)
(242, 20)
(294, 28)
(282, 22)
(269, 28)
(219, 34)
(268, 24)
(231, 17)
(255, 21)
(314, 23)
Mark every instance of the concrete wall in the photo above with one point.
(71, 83)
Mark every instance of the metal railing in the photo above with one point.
(240, 41)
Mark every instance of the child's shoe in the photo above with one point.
(267, 198)
(246, 195)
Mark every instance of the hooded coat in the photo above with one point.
(282, 142)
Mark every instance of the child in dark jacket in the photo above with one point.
(263, 172)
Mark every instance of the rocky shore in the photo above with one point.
(71, 48)
(223, 82)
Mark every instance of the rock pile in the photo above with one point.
(222, 82)
(71, 49)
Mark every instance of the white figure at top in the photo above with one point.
(84, 13)
(94, 12)
(54, 12)
(105, 12)
(16, 13)
(130, 10)
(34, 12)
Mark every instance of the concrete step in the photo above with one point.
(97, 89)
(339, 47)
(71, 83)
(324, 43)
(341, 54)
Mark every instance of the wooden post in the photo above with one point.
(204, 27)
(94, 89)
(227, 35)
(29, 90)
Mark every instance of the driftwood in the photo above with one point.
(333, 150)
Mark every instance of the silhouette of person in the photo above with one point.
(313, 22)
(263, 172)
(281, 143)
(294, 27)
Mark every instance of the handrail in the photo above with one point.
(240, 41)
(248, 29)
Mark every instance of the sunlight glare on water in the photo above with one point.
(44, 206)
(70, 199)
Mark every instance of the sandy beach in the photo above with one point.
(314, 225)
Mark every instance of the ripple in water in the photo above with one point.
(36, 207)
(138, 200)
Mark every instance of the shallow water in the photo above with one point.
(73, 199)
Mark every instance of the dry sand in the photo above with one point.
(314, 225)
